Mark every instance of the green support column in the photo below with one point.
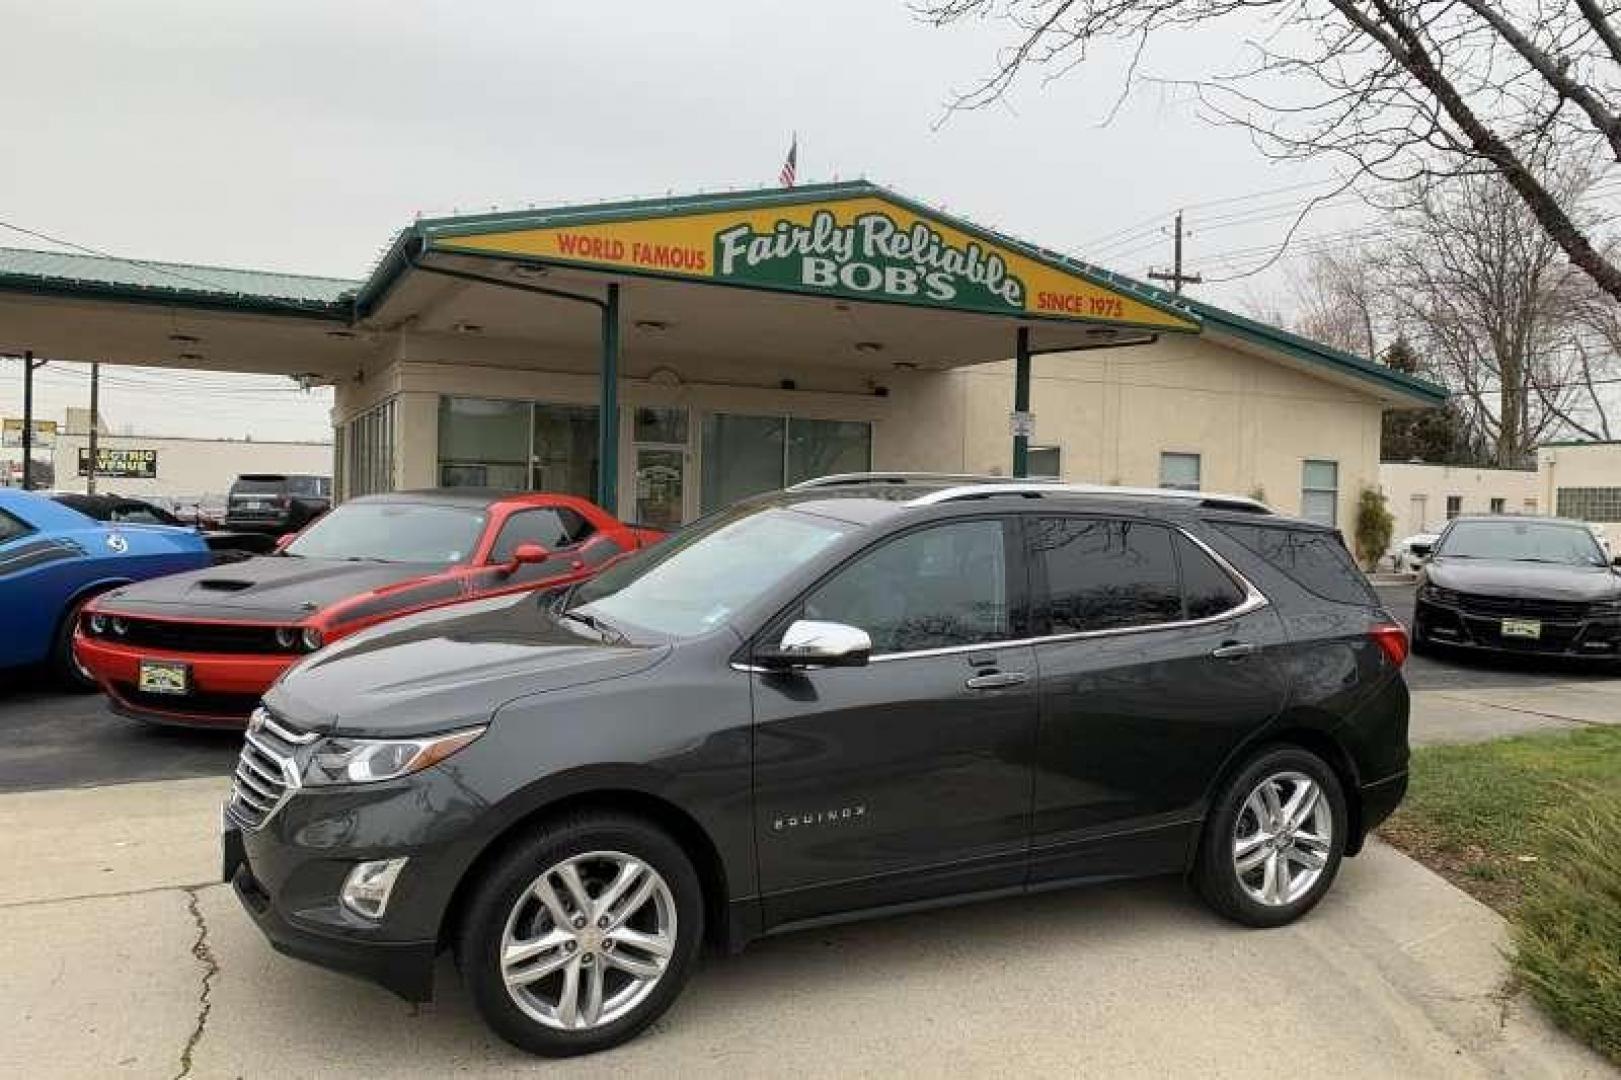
(1021, 401)
(608, 407)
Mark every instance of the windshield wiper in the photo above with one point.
(609, 634)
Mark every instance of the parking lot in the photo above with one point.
(126, 957)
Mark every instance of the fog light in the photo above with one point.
(367, 888)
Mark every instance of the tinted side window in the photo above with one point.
(1103, 574)
(1207, 588)
(929, 589)
(1316, 561)
(12, 527)
(544, 527)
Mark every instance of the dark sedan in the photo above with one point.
(1519, 585)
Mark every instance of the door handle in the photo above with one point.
(1232, 650)
(996, 680)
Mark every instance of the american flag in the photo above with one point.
(790, 167)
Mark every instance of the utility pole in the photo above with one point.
(95, 426)
(30, 365)
(1176, 277)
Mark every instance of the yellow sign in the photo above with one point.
(862, 248)
(11, 433)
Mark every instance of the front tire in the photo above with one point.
(581, 934)
(1274, 840)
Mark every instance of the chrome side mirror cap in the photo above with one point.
(812, 643)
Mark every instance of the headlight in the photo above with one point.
(311, 639)
(286, 637)
(339, 760)
(119, 626)
(98, 623)
(1437, 595)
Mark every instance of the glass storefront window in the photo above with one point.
(517, 445)
(654, 425)
(742, 456)
(566, 449)
(824, 447)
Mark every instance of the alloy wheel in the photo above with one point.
(588, 940)
(1282, 839)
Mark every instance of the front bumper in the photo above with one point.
(1597, 637)
(225, 687)
(288, 873)
(404, 967)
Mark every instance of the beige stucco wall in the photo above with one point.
(190, 468)
(1417, 494)
(1590, 465)
(1112, 412)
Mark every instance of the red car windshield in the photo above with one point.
(403, 532)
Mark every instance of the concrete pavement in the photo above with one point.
(1459, 715)
(122, 959)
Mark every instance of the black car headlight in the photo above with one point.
(341, 760)
(1434, 594)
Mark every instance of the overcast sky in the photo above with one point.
(298, 135)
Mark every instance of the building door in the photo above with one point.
(661, 475)
(660, 454)
(1418, 514)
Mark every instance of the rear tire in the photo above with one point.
(65, 667)
(1274, 839)
(585, 976)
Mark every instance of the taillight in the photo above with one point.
(1392, 640)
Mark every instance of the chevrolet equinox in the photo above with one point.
(863, 695)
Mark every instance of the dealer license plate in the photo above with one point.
(164, 677)
(1522, 628)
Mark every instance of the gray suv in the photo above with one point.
(860, 696)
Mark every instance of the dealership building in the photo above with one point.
(738, 342)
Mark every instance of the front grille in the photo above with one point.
(1524, 607)
(267, 770)
(195, 637)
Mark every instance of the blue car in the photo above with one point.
(53, 559)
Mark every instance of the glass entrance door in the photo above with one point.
(660, 454)
(661, 482)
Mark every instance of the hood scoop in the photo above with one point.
(225, 585)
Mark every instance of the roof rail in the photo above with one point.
(899, 478)
(1028, 490)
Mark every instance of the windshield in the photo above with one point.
(392, 532)
(692, 582)
(1522, 541)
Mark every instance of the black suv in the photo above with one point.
(276, 503)
(849, 698)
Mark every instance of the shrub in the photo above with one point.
(1374, 525)
(1567, 932)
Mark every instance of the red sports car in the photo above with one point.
(199, 648)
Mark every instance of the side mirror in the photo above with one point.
(809, 643)
(525, 554)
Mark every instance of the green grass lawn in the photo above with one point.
(1532, 826)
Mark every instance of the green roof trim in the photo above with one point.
(264, 292)
(68, 274)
